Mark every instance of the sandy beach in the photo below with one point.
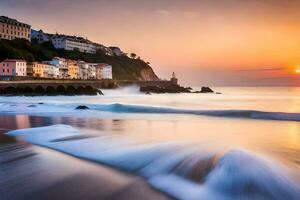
(31, 172)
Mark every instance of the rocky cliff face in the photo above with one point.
(124, 67)
(147, 74)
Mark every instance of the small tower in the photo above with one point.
(174, 80)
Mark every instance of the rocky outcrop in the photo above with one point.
(82, 107)
(147, 74)
(205, 90)
(172, 89)
(164, 89)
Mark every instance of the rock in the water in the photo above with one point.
(31, 106)
(206, 90)
(82, 107)
(164, 89)
(100, 92)
(218, 93)
(40, 103)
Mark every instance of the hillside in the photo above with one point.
(124, 68)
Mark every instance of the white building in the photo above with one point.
(51, 71)
(40, 36)
(92, 70)
(103, 71)
(72, 43)
(117, 51)
(83, 70)
(106, 50)
(61, 65)
(87, 70)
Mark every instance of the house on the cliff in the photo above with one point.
(40, 36)
(73, 43)
(117, 51)
(11, 29)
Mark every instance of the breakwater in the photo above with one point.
(67, 87)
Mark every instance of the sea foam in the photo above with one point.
(181, 170)
(68, 109)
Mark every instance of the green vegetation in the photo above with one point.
(124, 68)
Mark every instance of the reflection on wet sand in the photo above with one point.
(279, 139)
(34, 173)
(12, 122)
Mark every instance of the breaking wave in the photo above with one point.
(184, 171)
(69, 108)
(251, 114)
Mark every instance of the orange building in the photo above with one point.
(73, 69)
(11, 29)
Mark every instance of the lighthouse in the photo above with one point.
(174, 80)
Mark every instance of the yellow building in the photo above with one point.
(38, 69)
(11, 29)
(73, 69)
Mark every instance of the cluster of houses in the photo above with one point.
(11, 29)
(74, 43)
(57, 68)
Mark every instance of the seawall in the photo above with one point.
(68, 87)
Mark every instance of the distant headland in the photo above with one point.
(62, 56)
(38, 63)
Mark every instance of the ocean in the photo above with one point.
(241, 144)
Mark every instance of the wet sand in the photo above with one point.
(31, 172)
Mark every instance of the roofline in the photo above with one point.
(13, 60)
(14, 20)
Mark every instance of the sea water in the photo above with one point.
(241, 144)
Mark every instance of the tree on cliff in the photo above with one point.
(133, 55)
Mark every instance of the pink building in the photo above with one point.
(12, 67)
(103, 71)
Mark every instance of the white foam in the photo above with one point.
(237, 175)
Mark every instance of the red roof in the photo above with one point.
(13, 60)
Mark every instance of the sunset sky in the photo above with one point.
(206, 42)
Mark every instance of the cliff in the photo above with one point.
(124, 68)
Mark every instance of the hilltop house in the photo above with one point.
(40, 36)
(11, 29)
(117, 51)
(12, 67)
(73, 43)
(104, 49)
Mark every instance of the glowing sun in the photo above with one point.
(297, 71)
